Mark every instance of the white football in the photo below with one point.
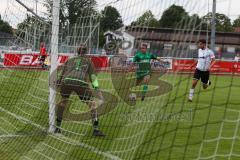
(132, 97)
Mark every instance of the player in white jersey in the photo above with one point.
(205, 59)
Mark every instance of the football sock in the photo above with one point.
(145, 89)
(191, 93)
(94, 118)
(60, 111)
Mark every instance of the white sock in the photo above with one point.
(191, 93)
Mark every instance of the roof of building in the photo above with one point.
(180, 35)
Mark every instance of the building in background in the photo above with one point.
(180, 43)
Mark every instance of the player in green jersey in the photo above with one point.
(143, 59)
(76, 75)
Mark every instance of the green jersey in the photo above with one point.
(78, 71)
(143, 61)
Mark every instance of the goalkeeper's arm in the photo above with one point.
(94, 81)
(95, 85)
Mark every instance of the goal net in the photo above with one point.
(142, 118)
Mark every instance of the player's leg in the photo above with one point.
(43, 61)
(65, 94)
(205, 80)
(139, 80)
(196, 77)
(146, 80)
(86, 95)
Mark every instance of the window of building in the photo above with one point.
(231, 49)
(168, 46)
(192, 46)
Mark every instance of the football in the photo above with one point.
(132, 97)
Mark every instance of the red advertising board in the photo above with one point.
(183, 65)
(187, 65)
(27, 59)
(225, 66)
(101, 62)
(32, 60)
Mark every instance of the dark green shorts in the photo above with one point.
(84, 92)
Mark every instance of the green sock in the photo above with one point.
(145, 89)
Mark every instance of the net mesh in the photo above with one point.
(163, 126)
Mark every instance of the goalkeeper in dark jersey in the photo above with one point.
(76, 75)
(143, 59)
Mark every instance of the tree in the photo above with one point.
(5, 27)
(28, 25)
(223, 22)
(147, 19)
(31, 31)
(194, 22)
(110, 19)
(71, 10)
(236, 22)
(174, 17)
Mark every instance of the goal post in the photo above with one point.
(53, 57)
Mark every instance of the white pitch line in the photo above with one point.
(38, 98)
(79, 134)
(54, 148)
(9, 123)
(43, 90)
(12, 136)
(43, 80)
(23, 111)
(86, 146)
(33, 106)
(221, 137)
(36, 151)
(4, 130)
(22, 119)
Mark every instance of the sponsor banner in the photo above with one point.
(1, 59)
(32, 60)
(100, 61)
(236, 67)
(168, 63)
(186, 65)
(125, 62)
(11, 60)
(225, 66)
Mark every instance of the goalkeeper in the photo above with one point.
(75, 77)
(143, 61)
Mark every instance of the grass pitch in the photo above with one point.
(161, 127)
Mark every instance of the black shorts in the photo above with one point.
(83, 92)
(203, 75)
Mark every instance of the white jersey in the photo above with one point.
(204, 59)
